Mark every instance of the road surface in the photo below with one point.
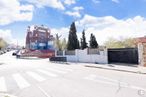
(31, 77)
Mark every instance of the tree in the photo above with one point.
(93, 43)
(120, 43)
(129, 42)
(58, 42)
(64, 44)
(73, 42)
(83, 41)
(2, 43)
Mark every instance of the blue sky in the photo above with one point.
(104, 18)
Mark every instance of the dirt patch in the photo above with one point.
(6, 95)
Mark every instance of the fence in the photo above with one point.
(86, 55)
(123, 55)
(72, 52)
(93, 51)
(59, 53)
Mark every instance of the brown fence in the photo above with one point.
(70, 52)
(60, 53)
(93, 51)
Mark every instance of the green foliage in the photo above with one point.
(6, 96)
(2, 43)
(93, 43)
(60, 44)
(83, 41)
(64, 44)
(57, 42)
(73, 42)
(121, 43)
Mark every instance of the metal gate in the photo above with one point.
(123, 55)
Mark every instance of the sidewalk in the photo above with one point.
(138, 69)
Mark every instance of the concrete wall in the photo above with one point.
(83, 56)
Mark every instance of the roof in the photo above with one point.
(141, 40)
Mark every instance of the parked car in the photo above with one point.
(4, 51)
(21, 53)
(8, 50)
(1, 52)
(15, 52)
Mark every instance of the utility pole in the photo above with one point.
(17, 44)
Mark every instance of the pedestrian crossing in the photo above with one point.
(21, 82)
(35, 76)
(47, 73)
(24, 79)
(55, 70)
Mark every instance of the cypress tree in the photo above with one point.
(73, 42)
(83, 41)
(93, 43)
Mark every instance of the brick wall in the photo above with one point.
(142, 54)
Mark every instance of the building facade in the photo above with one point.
(39, 38)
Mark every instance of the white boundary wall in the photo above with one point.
(83, 56)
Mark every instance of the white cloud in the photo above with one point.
(78, 8)
(11, 11)
(7, 36)
(26, 8)
(64, 31)
(96, 1)
(47, 3)
(116, 1)
(69, 2)
(92, 21)
(20, 42)
(75, 12)
(108, 26)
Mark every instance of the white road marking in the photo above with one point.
(138, 88)
(3, 87)
(62, 68)
(47, 73)
(99, 80)
(21, 82)
(35, 76)
(55, 70)
(44, 92)
(106, 80)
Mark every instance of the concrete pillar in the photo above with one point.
(55, 53)
(142, 54)
(77, 55)
(64, 53)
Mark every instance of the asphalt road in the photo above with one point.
(33, 77)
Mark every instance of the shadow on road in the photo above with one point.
(30, 58)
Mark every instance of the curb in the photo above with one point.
(137, 72)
